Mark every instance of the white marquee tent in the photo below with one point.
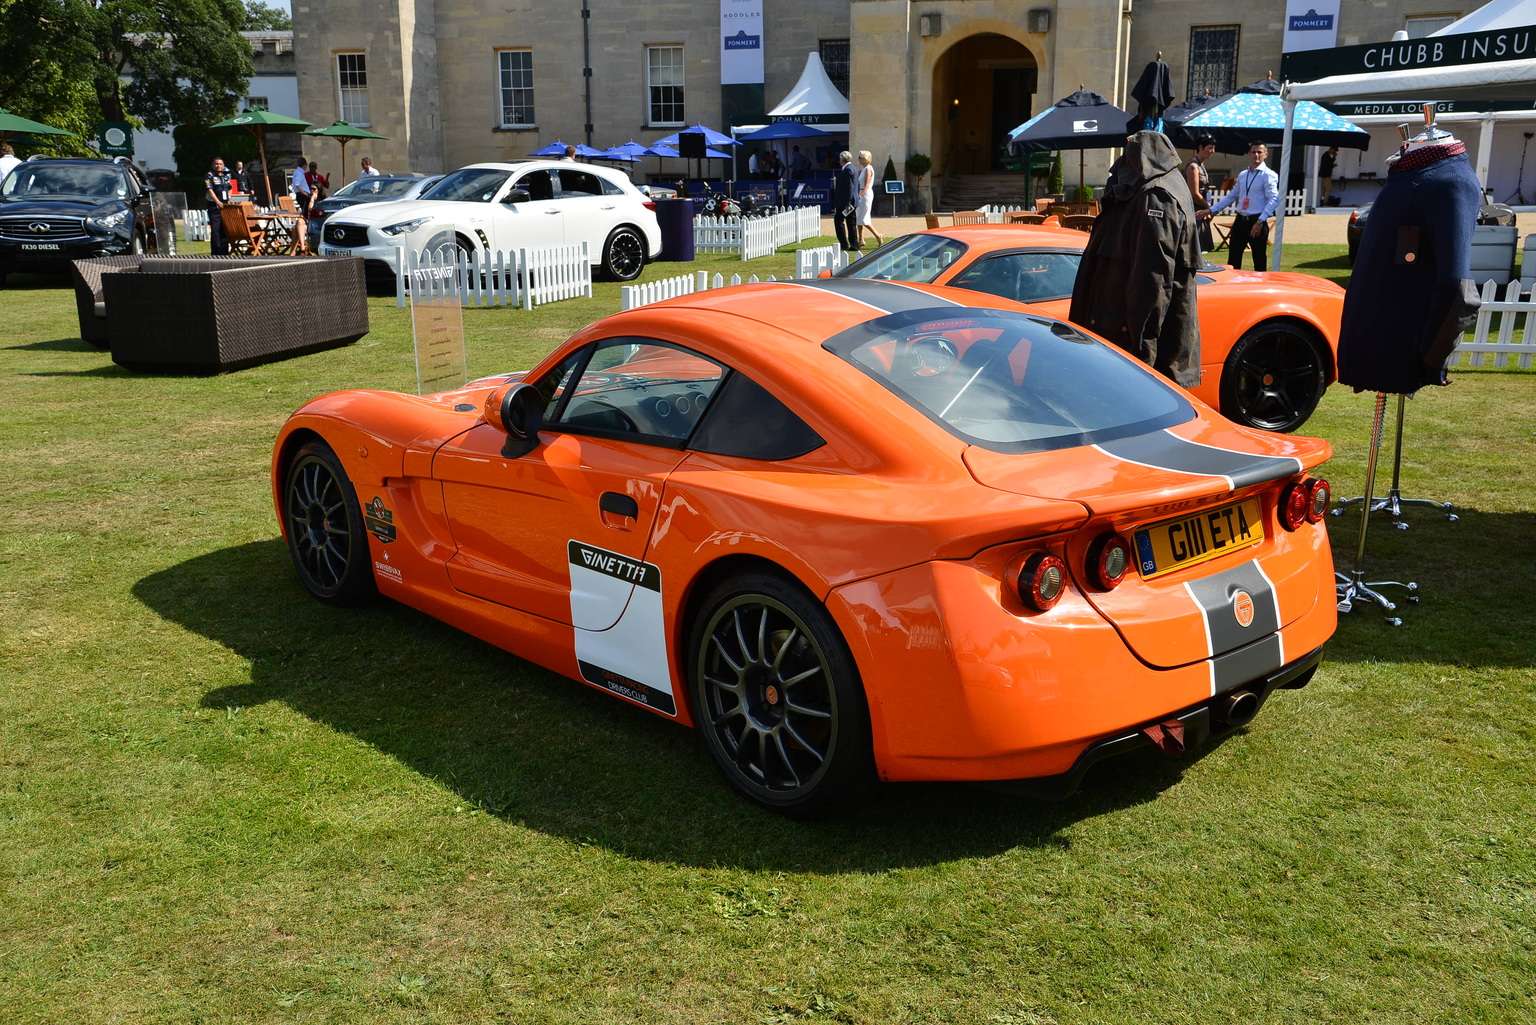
(1488, 56)
(814, 100)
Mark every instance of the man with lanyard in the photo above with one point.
(1256, 195)
(216, 193)
(301, 188)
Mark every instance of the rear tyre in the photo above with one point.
(623, 255)
(778, 698)
(326, 537)
(1274, 377)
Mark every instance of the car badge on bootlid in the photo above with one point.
(1242, 608)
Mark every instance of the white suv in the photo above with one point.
(491, 207)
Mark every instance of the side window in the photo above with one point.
(580, 183)
(1024, 277)
(652, 390)
(612, 188)
(540, 184)
(746, 421)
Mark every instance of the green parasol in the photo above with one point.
(15, 124)
(344, 133)
(257, 120)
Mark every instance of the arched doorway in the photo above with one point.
(983, 87)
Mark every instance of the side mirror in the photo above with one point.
(517, 410)
(517, 195)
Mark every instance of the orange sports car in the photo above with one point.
(1269, 342)
(850, 530)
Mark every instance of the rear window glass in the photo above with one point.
(919, 258)
(1011, 382)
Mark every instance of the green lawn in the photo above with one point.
(222, 802)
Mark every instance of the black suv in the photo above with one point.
(56, 210)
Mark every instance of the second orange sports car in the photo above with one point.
(1269, 342)
(850, 530)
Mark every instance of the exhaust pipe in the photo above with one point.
(1237, 708)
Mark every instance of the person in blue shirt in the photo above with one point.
(1256, 195)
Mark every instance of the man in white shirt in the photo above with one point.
(8, 159)
(368, 171)
(1256, 195)
(301, 190)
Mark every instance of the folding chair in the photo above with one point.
(968, 217)
(244, 237)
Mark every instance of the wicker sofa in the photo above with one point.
(207, 315)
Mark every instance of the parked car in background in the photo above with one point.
(492, 207)
(55, 210)
(849, 530)
(1268, 341)
(1490, 213)
(377, 189)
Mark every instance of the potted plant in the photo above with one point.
(918, 165)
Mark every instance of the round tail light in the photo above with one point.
(1042, 581)
(1319, 494)
(1108, 558)
(1295, 502)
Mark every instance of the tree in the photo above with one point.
(260, 17)
(184, 62)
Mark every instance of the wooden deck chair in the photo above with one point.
(968, 217)
(1078, 222)
(244, 238)
(931, 220)
(287, 204)
(1024, 217)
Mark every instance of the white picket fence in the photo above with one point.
(755, 236)
(1295, 202)
(809, 263)
(631, 296)
(521, 277)
(195, 227)
(1512, 311)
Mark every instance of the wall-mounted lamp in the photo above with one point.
(1040, 19)
(930, 24)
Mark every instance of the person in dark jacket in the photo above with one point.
(1410, 295)
(1136, 284)
(843, 192)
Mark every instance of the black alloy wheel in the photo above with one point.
(326, 537)
(1274, 377)
(778, 698)
(623, 255)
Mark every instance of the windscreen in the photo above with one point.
(1011, 382)
(38, 180)
(470, 185)
(919, 258)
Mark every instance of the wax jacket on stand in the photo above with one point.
(1411, 296)
(1136, 284)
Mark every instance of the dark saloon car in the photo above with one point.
(53, 211)
(379, 188)
(1490, 213)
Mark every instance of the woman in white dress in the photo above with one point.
(865, 183)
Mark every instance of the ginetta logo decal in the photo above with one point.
(1242, 608)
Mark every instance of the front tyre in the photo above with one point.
(778, 698)
(1274, 377)
(326, 537)
(623, 255)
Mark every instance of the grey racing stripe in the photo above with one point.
(1166, 451)
(1215, 596)
(1245, 665)
(883, 295)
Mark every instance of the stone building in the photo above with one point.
(456, 81)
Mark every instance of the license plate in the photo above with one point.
(41, 247)
(1190, 540)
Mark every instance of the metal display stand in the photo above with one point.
(1352, 586)
(1394, 500)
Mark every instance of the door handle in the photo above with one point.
(551, 213)
(619, 505)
